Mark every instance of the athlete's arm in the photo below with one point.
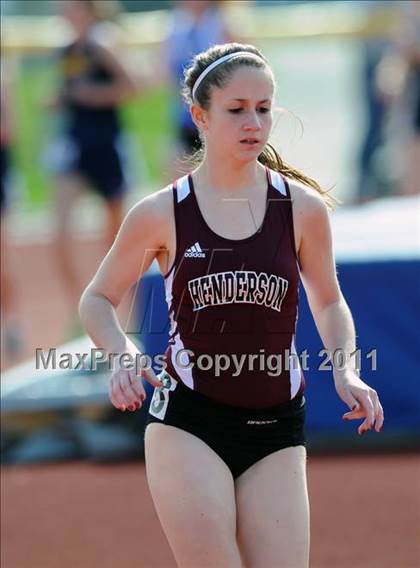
(120, 89)
(142, 237)
(328, 306)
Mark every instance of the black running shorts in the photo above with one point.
(240, 436)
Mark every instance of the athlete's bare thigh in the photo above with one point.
(273, 511)
(193, 492)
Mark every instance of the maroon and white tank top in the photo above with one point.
(233, 304)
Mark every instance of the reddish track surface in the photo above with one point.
(44, 310)
(365, 514)
(365, 510)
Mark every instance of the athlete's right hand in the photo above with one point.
(126, 390)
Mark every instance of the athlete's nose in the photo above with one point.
(253, 122)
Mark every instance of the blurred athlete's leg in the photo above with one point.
(69, 188)
(11, 329)
(411, 178)
(115, 214)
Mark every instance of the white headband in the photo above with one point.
(218, 62)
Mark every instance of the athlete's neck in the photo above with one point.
(225, 179)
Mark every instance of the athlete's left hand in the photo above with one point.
(363, 401)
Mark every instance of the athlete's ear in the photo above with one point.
(199, 116)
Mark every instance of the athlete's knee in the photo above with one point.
(208, 554)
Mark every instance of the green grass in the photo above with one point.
(148, 120)
(31, 130)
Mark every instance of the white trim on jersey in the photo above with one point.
(182, 188)
(184, 374)
(168, 293)
(295, 370)
(277, 182)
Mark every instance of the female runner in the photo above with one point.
(225, 447)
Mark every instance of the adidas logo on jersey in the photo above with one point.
(195, 251)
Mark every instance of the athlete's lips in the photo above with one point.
(249, 141)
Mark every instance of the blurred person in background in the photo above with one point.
(93, 86)
(196, 25)
(410, 52)
(11, 329)
(397, 80)
(371, 182)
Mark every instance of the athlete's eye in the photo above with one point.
(262, 110)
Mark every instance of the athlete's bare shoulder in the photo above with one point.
(309, 211)
(159, 202)
(157, 207)
(153, 213)
(306, 200)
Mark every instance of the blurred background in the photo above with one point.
(348, 98)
